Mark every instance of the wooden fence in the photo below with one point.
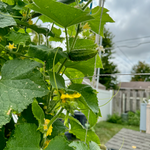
(128, 100)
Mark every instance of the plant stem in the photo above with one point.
(67, 41)
(62, 65)
(86, 4)
(78, 27)
(39, 42)
(74, 41)
(55, 117)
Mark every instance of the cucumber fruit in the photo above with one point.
(82, 54)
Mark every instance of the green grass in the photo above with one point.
(106, 130)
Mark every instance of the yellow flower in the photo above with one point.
(86, 26)
(30, 22)
(24, 14)
(49, 131)
(76, 95)
(11, 46)
(46, 143)
(70, 96)
(134, 147)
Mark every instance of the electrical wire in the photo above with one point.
(132, 39)
(134, 45)
(125, 55)
(116, 74)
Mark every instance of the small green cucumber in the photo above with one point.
(82, 54)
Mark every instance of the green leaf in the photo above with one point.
(94, 146)
(39, 30)
(46, 54)
(90, 115)
(10, 2)
(78, 130)
(17, 37)
(79, 145)
(62, 14)
(98, 62)
(38, 113)
(94, 24)
(57, 37)
(19, 5)
(88, 94)
(58, 127)
(20, 83)
(83, 44)
(45, 19)
(26, 137)
(3, 32)
(88, 102)
(59, 81)
(27, 116)
(2, 138)
(5, 18)
(58, 143)
(86, 67)
(74, 74)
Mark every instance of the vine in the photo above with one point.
(32, 85)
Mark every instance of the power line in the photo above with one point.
(135, 45)
(116, 74)
(125, 55)
(132, 39)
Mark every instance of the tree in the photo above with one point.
(141, 67)
(109, 66)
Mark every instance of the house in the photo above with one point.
(135, 86)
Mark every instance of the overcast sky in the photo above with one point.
(132, 20)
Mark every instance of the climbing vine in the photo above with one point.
(36, 106)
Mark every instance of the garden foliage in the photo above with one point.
(32, 85)
(132, 118)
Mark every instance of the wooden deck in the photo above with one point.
(127, 139)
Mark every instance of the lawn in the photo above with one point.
(106, 130)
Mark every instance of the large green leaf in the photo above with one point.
(17, 37)
(88, 94)
(94, 24)
(20, 83)
(79, 145)
(58, 143)
(38, 113)
(59, 80)
(39, 30)
(46, 54)
(26, 137)
(62, 14)
(5, 18)
(78, 130)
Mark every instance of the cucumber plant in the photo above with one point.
(33, 94)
